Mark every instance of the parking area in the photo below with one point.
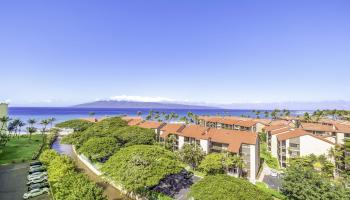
(13, 179)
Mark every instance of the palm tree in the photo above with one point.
(51, 120)
(233, 161)
(31, 130)
(44, 123)
(91, 114)
(139, 113)
(31, 122)
(184, 119)
(15, 124)
(267, 114)
(257, 113)
(20, 125)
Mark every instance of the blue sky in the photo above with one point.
(67, 52)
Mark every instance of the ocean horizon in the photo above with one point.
(67, 113)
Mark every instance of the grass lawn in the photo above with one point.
(272, 192)
(18, 149)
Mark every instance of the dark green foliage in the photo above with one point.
(76, 124)
(67, 183)
(225, 187)
(103, 128)
(309, 178)
(99, 148)
(219, 163)
(133, 135)
(75, 186)
(140, 166)
(192, 155)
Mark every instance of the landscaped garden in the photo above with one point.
(130, 157)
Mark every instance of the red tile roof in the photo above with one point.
(127, 118)
(171, 129)
(341, 128)
(317, 127)
(233, 138)
(134, 122)
(151, 124)
(195, 131)
(274, 127)
(298, 133)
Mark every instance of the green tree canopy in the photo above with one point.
(77, 186)
(140, 166)
(133, 135)
(76, 124)
(101, 129)
(59, 167)
(219, 163)
(305, 180)
(192, 155)
(225, 187)
(99, 148)
(48, 155)
(212, 164)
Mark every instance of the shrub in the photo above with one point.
(99, 148)
(47, 156)
(133, 135)
(140, 166)
(77, 186)
(76, 124)
(225, 187)
(212, 164)
(59, 167)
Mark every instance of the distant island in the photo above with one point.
(135, 104)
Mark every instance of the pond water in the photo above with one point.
(108, 190)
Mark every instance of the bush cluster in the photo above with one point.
(66, 182)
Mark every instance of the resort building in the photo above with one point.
(156, 126)
(242, 143)
(286, 142)
(232, 123)
(298, 142)
(3, 112)
(133, 121)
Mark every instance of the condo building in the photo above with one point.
(286, 142)
(241, 143)
(233, 123)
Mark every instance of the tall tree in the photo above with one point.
(192, 155)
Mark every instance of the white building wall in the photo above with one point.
(311, 145)
(340, 138)
(205, 145)
(181, 141)
(259, 127)
(274, 146)
(254, 166)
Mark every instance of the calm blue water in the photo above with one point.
(63, 114)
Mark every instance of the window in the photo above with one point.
(293, 145)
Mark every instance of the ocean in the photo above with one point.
(67, 113)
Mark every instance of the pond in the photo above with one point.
(108, 190)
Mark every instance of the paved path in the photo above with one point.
(270, 177)
(182, 195)
(13, 179)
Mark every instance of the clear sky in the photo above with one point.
(66, 52)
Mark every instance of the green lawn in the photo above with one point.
(18, 149)
(273, 192)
